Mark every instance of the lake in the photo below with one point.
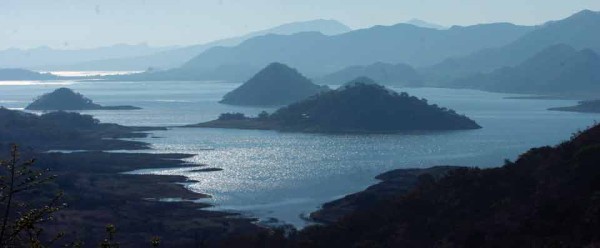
(285, 176)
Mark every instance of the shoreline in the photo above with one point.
(98, 191)
(391, 183)
(109, 196)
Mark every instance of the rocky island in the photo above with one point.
(67, 99)
(592, 106)
(353, 108)
(275, 85)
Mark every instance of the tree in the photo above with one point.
(23, 215)
(263, 115)
(21, 220)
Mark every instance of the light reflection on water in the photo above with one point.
(285, 175)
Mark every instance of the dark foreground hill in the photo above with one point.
(548, 197)
(354, 108)
(67, 99)
(276, 84)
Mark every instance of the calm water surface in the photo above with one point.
(287, 175)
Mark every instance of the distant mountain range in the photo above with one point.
(384, 73)
(556, 56)
(425, 24)
(22, 74)
(440, 56)
(45, 58)
(556, 70)
(170, 58)
(316, 54)
(579, 31)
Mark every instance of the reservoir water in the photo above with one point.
(283, 176)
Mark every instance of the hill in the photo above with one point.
(22, 74)
(579, 31)
(67, 99)
(276, 84)
(547, 197)
(355, 108)
(384, 73)
(556, 70)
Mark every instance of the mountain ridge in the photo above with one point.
(559, 69)
(176, 57)
(577, 30)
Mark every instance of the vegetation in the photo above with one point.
(277, 84)
(23, 217)
(368, 108)
(67, 99)
(232, 116)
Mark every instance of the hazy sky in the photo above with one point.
(90, 23)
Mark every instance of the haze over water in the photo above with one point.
(268, 174)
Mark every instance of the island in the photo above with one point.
(67, 99)
(591, 106)
(10, 74)
(353, 108)
(275, 85)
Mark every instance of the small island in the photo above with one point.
(592, 106)
(67, 99)
(9, 74)
(353, 108)
(275, 85)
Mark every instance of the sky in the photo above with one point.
(74, 24)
